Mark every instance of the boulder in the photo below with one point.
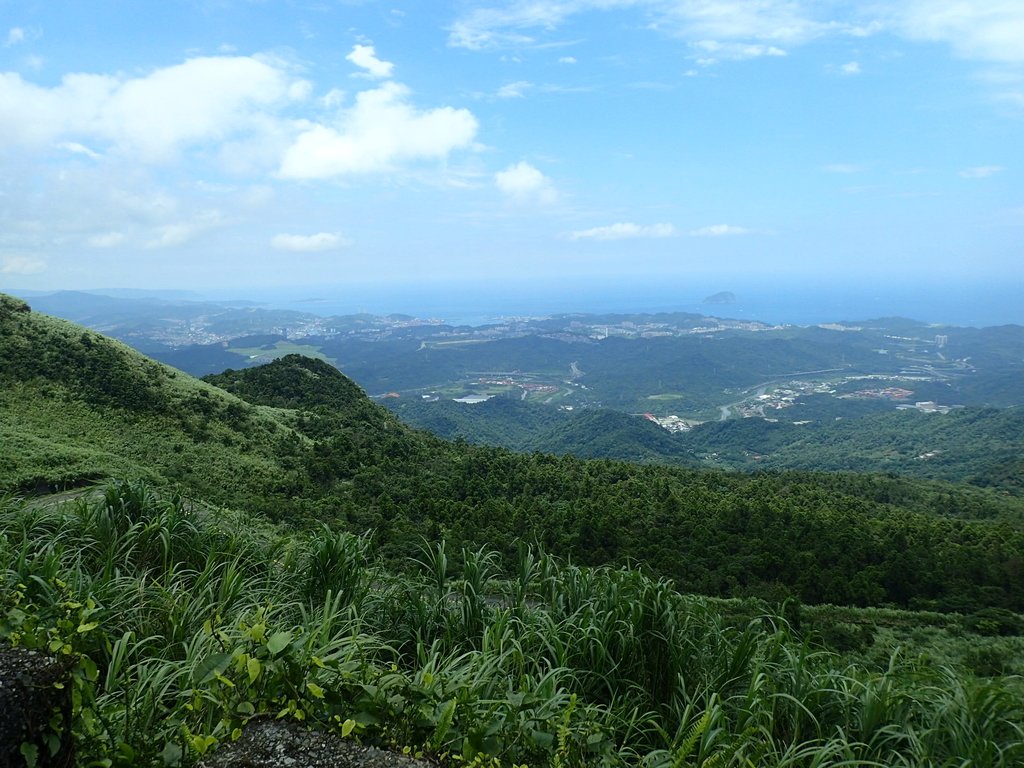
(267, 743)
(34, 688)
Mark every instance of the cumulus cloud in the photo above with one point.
(21, 265)
(365, 57)
(981, 171)
(718, 230)
(321, 241)
(333, 99)
(380, 131)
(525, 183)
(149, 118)
(624, 231)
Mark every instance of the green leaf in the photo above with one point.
(171, 754)
(210, 667)
(543, 739)
(87, 627)
(253, 667)
(347, 727)
(202, 744)
(278, 642)
(31, 754)
(315, 689)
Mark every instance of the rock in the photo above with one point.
(269, 743)
(29, 698)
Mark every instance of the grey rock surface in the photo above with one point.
(277, 744)
(29, 697)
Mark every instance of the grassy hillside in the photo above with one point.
(301, 443)
(76, 406)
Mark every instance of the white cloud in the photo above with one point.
(624, 231)
(567, 60)
(15, 35)
(78, 149)
(718, 230)
(713, 50)
(21, 265)
(333, 99)
(381, 131)
(107, 240)
(513, 90)
(762, 25)
(170, 235)
(989, 30)
(150, 118)
(850, 68)
(981, 171)
(365, 57)
(525, 183)
(494, 27)
(322, 241)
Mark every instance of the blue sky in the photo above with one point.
(237, 144)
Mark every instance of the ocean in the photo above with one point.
(478, 303)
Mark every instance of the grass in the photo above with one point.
(281, 349)
(184, 622)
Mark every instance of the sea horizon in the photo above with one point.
(480, 303)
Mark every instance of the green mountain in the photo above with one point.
(77, 406)
(296, 441)
(980, 446)
(523, 426)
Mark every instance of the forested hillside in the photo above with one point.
(978, 446)
(522, 426)
(295, 440)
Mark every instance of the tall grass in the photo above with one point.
(186, 624)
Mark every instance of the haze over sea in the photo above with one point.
(477, 303)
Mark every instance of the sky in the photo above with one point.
(256, 145)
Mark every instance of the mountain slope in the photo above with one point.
(83, 406)
(76, 406)
(523, 426)
(980, 446)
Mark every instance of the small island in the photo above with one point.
(722, 297)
